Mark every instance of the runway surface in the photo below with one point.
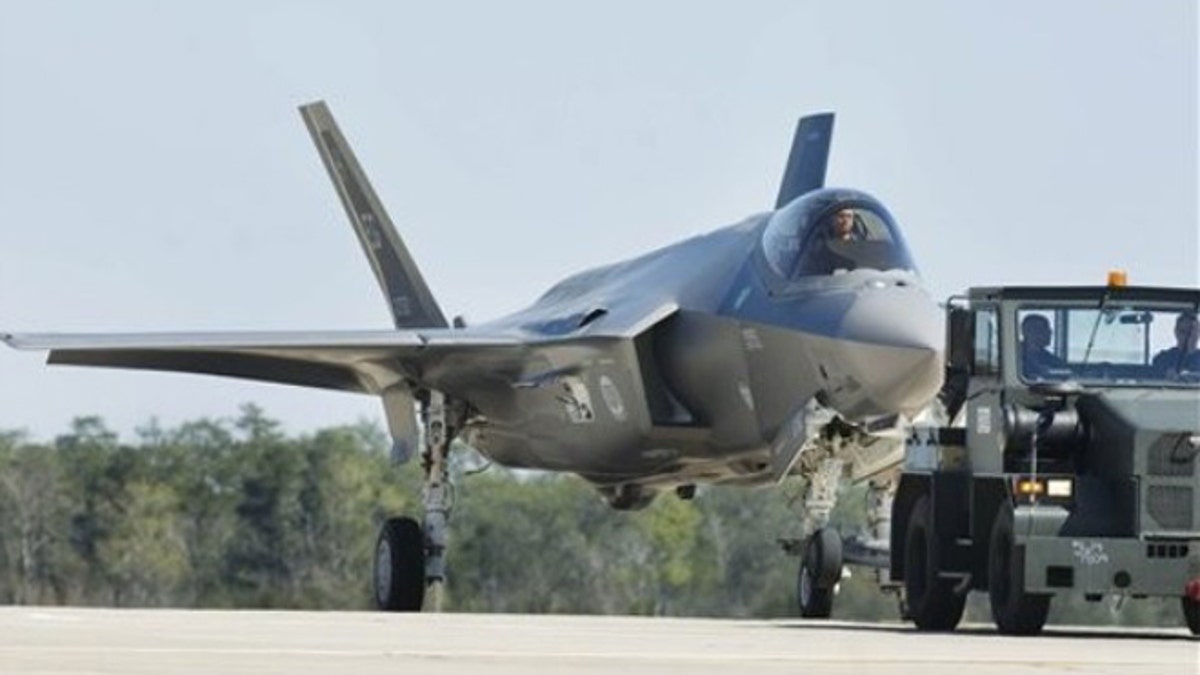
(54, 640)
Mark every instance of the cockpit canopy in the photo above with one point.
(826, 231)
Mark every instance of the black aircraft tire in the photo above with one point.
(820, 570)
(1014, 611)
(399, 580)
(931, 601)
(1191, 614)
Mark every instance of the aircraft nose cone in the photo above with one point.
(893, 316)
(890, 346)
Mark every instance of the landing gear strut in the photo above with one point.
(410, 559)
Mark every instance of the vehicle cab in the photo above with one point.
(1068, 459)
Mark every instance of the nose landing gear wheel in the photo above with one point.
(400, 566)
(820, 570)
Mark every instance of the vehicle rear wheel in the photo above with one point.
(1014, 611)
(820, 570)
(932, 603)
(1191, 614)
(400, 566)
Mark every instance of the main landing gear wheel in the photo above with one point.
(820, 570)
(400, 566)
(932, 603)
(1014, 611)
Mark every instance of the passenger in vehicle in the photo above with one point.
(1184, 356)
(1037, 361)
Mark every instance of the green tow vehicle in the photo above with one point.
(1068, 459)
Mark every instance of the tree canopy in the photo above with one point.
(238, 513)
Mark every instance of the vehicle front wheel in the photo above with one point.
(1191, 614)
(932, 603)
(1014, 611)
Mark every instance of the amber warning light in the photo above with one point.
(1117, 278)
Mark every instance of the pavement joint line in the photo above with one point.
(609, 656)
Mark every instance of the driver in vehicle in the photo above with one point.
(1184, 356)
(1037, 361)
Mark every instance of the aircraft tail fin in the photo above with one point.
(810, 153)
(409, 298)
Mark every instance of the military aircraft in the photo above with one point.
(796, 341)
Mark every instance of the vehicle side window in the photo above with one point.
(987, 343)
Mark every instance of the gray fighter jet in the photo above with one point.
(795, 341)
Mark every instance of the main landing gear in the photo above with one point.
(410, 558)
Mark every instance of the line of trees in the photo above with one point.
(238, 513)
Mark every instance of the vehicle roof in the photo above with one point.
(1116, 293)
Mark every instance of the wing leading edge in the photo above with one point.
(359, 361)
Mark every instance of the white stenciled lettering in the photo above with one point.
(1089, 552)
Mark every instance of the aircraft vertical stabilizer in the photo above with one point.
(805, 170)
(409, 298)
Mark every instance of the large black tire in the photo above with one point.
(932, 603)
(1191, 614)
(820, 571)
(1014, 611)
(400, 566)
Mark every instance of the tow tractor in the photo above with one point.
(1065, 460)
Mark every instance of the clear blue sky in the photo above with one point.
(154, 174)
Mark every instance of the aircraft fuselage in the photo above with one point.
(734, 353)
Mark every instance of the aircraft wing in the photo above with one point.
(359, 361)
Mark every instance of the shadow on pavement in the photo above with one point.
(981, 630)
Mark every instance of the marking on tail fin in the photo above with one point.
(805, 170)
(409, 298)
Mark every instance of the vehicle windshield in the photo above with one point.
(1122, 344)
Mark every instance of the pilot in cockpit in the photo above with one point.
(820, 235)
(844, 227)
(841, 234)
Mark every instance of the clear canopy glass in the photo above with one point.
(833, 231)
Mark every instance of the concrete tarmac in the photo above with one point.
(68, 640)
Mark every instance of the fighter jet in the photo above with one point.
(796, 341)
